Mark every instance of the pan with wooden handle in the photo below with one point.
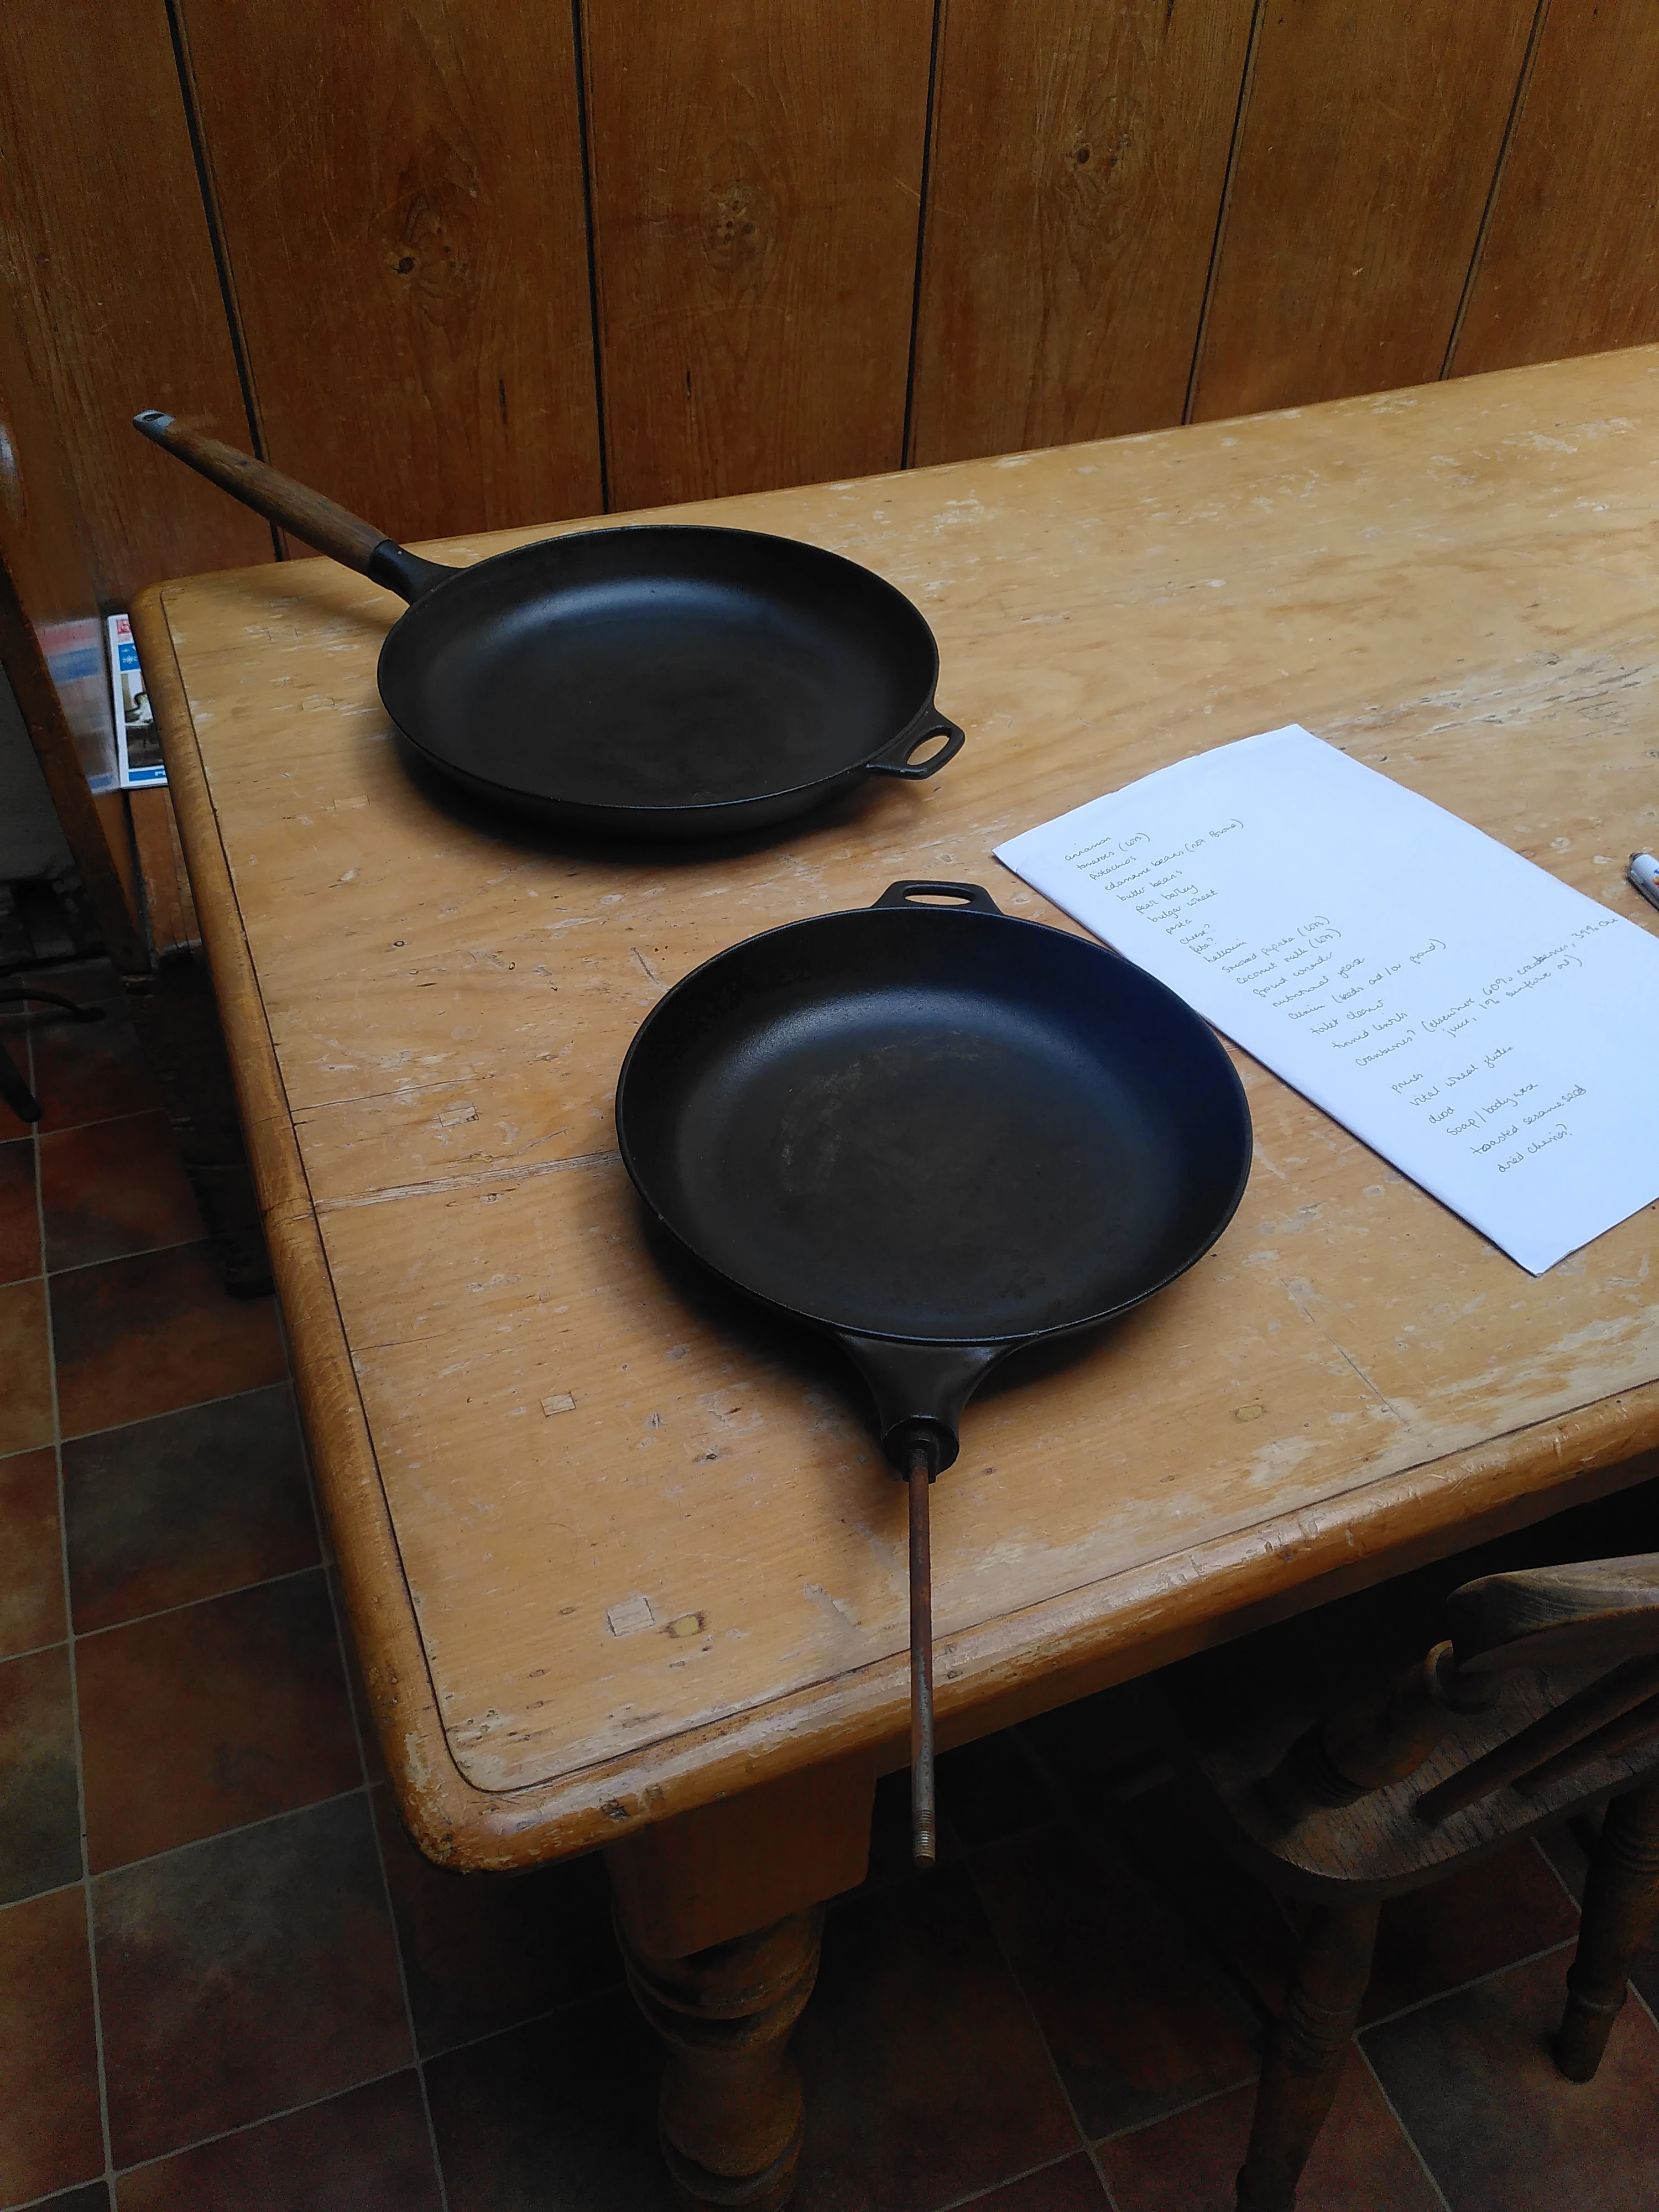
(660, 680)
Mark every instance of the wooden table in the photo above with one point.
(623, 1562)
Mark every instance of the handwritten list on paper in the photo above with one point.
(1492, 1031)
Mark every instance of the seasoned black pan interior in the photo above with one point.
(704, 665)
(934, 1126)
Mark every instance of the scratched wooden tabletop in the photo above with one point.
(614, 1545)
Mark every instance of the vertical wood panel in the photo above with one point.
(757, 172)
(1079, 152)
(1368, 149)
(109, 263)
(1571, 258)
(399, 190)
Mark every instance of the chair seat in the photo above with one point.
(1379, 1843)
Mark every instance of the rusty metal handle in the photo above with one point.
(924, 1815)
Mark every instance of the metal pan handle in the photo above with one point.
(895, 759)
(965, 898)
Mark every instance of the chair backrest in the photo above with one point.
(1543, 1614)
(1599, 1613)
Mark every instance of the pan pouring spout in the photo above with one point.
(938, 1133)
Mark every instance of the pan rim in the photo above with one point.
(644, 812)
(1005, 1341)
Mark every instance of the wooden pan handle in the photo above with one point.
(330, 528)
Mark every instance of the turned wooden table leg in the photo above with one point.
(1620, 1894)
(719, 1912)
(731, 2117)
(1305, 2054)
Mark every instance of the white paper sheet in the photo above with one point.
(1493, 1032)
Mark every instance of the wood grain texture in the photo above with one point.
(730, 2119)
(1367, 154)
(1078, 158)
(753, 1858)
(652, 1554)
(756, 179)
(1620, 1893)
(107, 255)
(1570, 262)
(1306, 2052)
(400, 193)
(1378, 1847)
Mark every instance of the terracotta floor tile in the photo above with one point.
(1072, 2187)
(1137, 2019)
(1429, 1941)
(88, 1071)
(484, 1952)
(1473, 2079)
(94, 2198)
(204, 1719)
(556, 2118)
(1484, 1916)
(146, 1336)
(50, 2137)
(368, 2151)
(925, 2077)
(246, 1975)
(185, 1506)
(25, 1368)
(39, 1812)
(19, 1218)
(1362, 2161)
(31, 1561)
(113, 1188)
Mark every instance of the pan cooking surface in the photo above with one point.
(1006, 1133)
(723, 665)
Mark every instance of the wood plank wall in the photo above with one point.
(401, 206)
(756, 170)
(109, 263)
(472, 266)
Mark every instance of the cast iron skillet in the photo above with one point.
(939, 1134)
(661, 681)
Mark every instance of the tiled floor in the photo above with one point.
(227, 1980)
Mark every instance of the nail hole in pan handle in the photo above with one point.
(897, 759)
(929, 891)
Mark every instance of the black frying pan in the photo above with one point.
(662, 680)
(939, 1134)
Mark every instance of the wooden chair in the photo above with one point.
(1542, 1702)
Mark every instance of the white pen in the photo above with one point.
(1644, 874)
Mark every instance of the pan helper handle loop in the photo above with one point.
(933, 892)
(894, 758)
